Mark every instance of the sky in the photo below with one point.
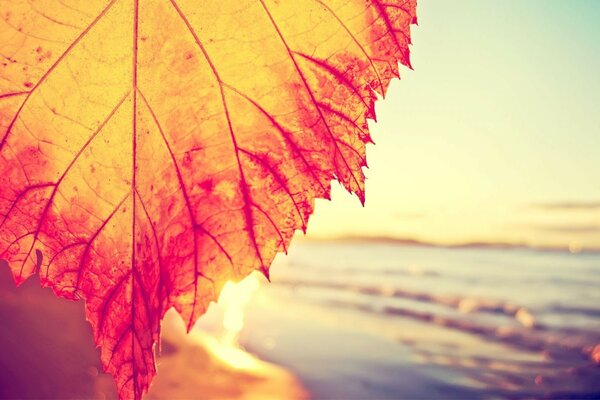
(493, 137)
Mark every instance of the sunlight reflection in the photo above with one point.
(234, 299)
(233, 302)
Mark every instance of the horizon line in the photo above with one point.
(572, 249)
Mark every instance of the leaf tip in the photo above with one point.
(361, 197)
(265, 271)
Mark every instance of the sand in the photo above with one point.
(47, 351)
(196, 366)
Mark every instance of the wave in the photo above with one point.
(463, 304)
(561, 343)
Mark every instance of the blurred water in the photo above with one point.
(366, 320)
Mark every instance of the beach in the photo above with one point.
(343, 320)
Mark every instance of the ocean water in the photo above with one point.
(380, 321)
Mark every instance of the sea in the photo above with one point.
(368, 320)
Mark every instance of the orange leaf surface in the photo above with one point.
(152, 150)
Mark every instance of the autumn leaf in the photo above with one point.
(152, 150)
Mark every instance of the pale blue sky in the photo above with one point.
(501, 113)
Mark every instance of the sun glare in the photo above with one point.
(234, 300)
(232, 304)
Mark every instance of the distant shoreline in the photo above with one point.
(466, 245)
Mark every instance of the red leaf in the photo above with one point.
(152, 150)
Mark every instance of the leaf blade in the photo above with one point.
(160, 153)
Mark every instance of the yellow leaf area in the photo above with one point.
(151, 150)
